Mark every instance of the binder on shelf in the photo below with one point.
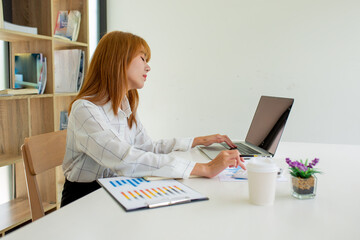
(68, 25)
(69, 70)
(138, 193)
(31, 71)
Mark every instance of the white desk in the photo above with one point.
(333, 214)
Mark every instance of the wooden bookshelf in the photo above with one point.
(29, 115)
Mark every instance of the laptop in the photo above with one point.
(265, 130)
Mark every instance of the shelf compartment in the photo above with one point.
(61, 103)
(80, 5)
(41, 115)
(14, 125)
(40, 46)
(17, 212)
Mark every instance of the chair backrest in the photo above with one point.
(41, 153)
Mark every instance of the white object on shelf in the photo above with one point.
(20, 28)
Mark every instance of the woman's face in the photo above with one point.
(137, 72)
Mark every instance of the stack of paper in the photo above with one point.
(69, 70)
(19, 28)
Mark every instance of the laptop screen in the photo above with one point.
(269, 122)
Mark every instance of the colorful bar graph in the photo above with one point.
(138, 194)
(179, 188)
(156, 191)
(163, 191)
(132, 194)
(125, 196)
(168, 190)
(150, 192)
(173, 189)
(134, 180)
(145, 193)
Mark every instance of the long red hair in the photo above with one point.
(106, 78)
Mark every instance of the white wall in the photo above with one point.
(212, 60)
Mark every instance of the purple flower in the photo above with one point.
(296, 164)
(313, 162)
(299, 169)
(303, 168)
(290, 163)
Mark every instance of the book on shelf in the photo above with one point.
(64, 118)
(22, 91)
(81, 71)
(69, 70)
(30, 71)
(68, 25)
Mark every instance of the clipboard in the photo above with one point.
(139, 193)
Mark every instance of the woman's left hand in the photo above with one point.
(216, 138)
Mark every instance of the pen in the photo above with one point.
(245, 155)
(248, 155)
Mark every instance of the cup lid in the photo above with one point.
(263, 165)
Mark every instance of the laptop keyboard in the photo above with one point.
(243, 149)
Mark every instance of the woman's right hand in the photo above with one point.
(227, 158)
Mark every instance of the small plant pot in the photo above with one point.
(304, 188)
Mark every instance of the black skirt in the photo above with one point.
(74, 190)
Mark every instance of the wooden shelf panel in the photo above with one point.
(16, 212)
(26, 96)
(65, 94)
(7, 159)
(64, 44)
(14, 36)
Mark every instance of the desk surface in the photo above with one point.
(333, 214)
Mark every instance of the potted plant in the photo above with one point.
(303, 178)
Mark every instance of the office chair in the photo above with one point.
(41, 153)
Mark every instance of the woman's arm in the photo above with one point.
(96, 142)
(216, 138)
(144, 142)
(227, 158)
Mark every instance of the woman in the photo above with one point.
(105, 138)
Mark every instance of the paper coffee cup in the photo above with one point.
(262, 173)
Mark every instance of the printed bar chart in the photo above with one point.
(136, 193)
